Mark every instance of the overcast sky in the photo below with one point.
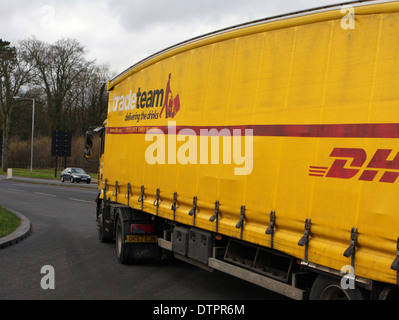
(122, 32)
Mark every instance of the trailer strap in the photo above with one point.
(127, 196)
(270, 229)
(141, 198)
(116, 191)
(240, 223)
(174, 205)
(157, 198)
(105, 189)
(193, 211)
(350, 252)
(216, 215)
(395, 264)
(304, 241)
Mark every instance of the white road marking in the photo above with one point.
(73, 199)
(18, 190)
(45, 194)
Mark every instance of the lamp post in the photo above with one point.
(33, 129)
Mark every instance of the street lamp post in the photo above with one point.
(33, 130)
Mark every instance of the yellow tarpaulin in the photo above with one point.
(299, 116)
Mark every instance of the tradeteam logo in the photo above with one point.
(185, 145)
(171, 105)
(148, 104)
(352, 163)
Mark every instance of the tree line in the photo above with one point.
(69, 90)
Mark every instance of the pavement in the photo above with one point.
(54, 182)
(25, 226)
(19, 234)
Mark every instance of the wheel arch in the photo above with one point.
(128, 214)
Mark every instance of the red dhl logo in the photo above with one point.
(350, 162)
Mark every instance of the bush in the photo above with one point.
(20, 154)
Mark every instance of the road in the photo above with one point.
(64, 236)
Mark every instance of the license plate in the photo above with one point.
(141, 238)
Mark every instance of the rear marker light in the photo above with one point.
(142, 228)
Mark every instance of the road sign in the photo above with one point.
(61, 143)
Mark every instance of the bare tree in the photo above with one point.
(69, 90)
(59, 67)
(91, 104)
(15, 72)
(97, 106)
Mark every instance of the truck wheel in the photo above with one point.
(123, 250)
(103, 235)
(325, 288)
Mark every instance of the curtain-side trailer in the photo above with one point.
(267, 150)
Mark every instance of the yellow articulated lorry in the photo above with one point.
(267, 151)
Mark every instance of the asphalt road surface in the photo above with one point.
(64, 237)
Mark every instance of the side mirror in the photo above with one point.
(88, 145)
(87, 153)
(89, 140)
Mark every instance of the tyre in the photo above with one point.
(62, 179)
(124, 252)
(389, 293)
(326, 288)
(103, 235)
(132, 252)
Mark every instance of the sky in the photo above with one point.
(120, 33)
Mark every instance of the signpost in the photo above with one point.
(61, 146)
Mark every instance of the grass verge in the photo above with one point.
(9, 222)
(39, 173)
